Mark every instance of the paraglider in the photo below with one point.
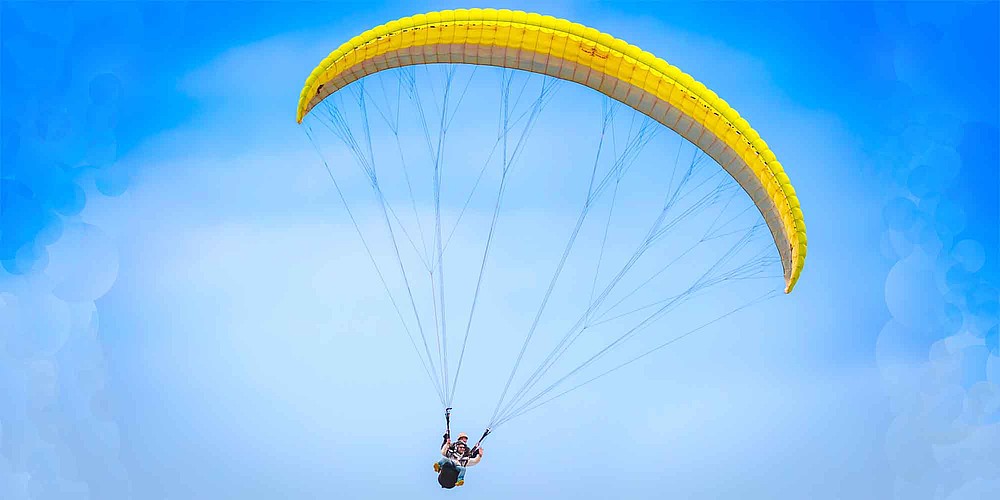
(457, 456)
(558, 50)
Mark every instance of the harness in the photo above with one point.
(448, 476)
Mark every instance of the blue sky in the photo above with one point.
(186, 310)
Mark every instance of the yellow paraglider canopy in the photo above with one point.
(573, 52)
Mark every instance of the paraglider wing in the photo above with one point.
(572, 52)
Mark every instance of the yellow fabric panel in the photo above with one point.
(573, 52)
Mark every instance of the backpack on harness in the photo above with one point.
(448, 475)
